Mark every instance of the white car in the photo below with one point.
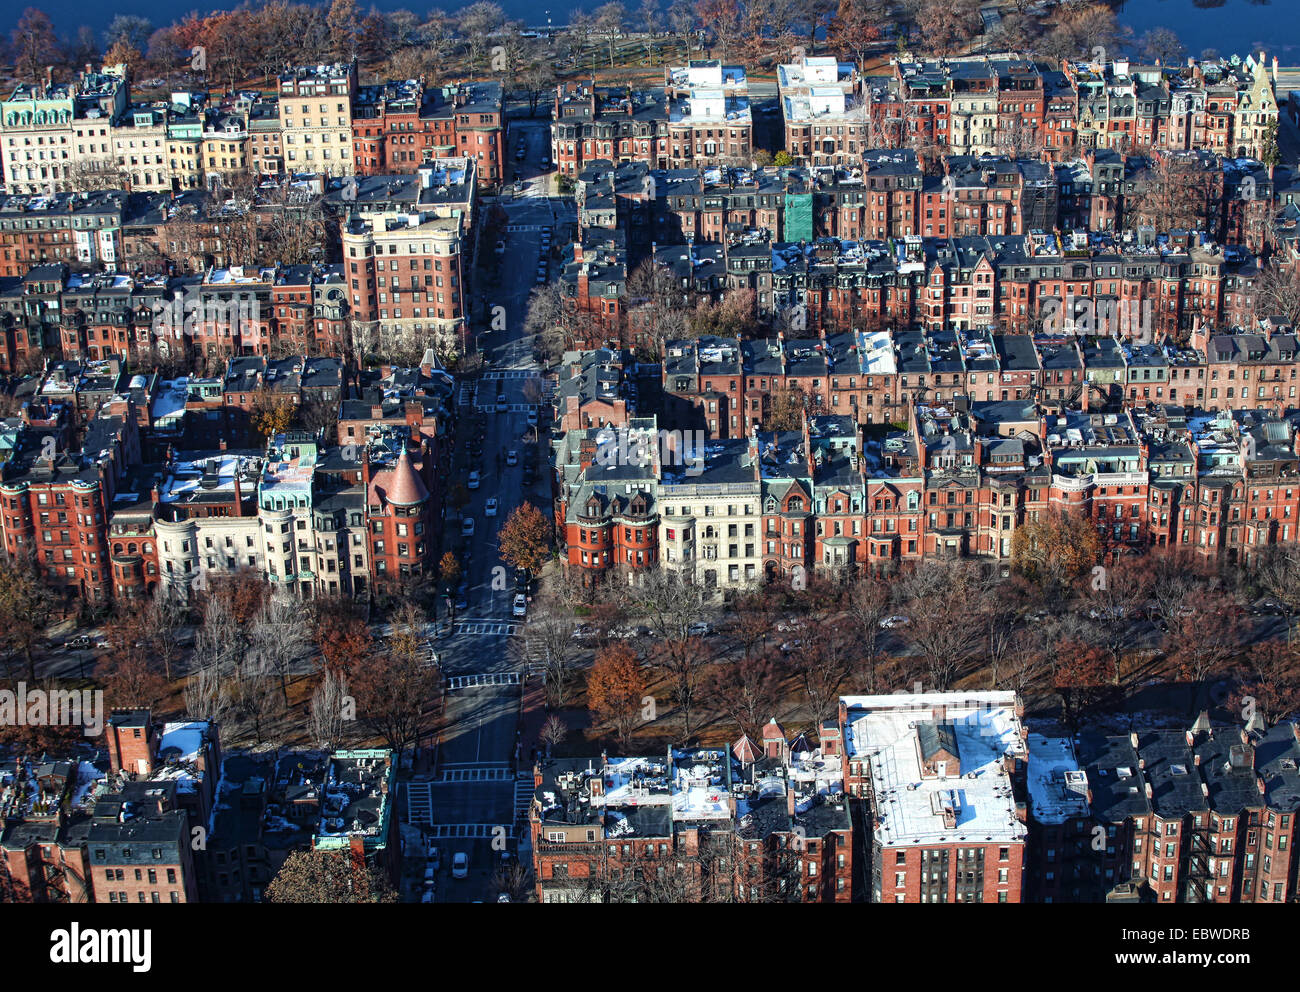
(891, 622)
(467, 527)
(502, 404)
(699, 629)
(520, 607)
(474, 480)
(460, 865)
(532, 418)
(512, 458)
(786, 625)
(490, 507)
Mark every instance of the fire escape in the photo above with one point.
(1199, 878)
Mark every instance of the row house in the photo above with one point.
(398, 126)
(38, 126)
(821, 109)
(56, 500)
(407, 260)
(116, 830)
(1205, 815)
(941, 775)
(700, 119)
(82, 228)
(316, 118)
(750, 823)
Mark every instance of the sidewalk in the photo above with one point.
(532, 714)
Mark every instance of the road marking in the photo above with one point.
(523, 793)
(509, 374)
(524, 228)
(480, 774)
(511, 408)
(476, 681)
(469, 831)
(484, 627)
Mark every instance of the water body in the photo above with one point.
(1228, 26)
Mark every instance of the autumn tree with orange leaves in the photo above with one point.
(615, 690)
(525, 538)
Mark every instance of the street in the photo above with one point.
(471, 801)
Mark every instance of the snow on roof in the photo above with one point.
(700, 790)
(170, 402)
(882, 730)
(635, 782)
(1058, 789)
(186, 737)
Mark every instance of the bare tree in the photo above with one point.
(278, 637)
(332, 711)
(824, 661)
(674, 605)
(941, 600)
(207, 695)
(553, 733)
(548, 641)
(866, 604)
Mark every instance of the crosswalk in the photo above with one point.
(465, 397)
(523, 793)
(509, 374)
(525, 228)
(478, 681)
(470, 831)
(481, 627)
(477, 773)
(491, 407)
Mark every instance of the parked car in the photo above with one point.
(429, 873)
(787, 625)
(532, 418)
(428, 896)
(699, 629)
(490, 507)
(889, 623)
(1107, 613)
(474, 480)
(467, 527)
(520, 607)
(435, 858)
(521, 580)
(582, 632)
(462, 601)
(460, 865)
(512, 457)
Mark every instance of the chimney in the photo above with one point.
(789, 799)
(239, 496)
(1196, 760)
